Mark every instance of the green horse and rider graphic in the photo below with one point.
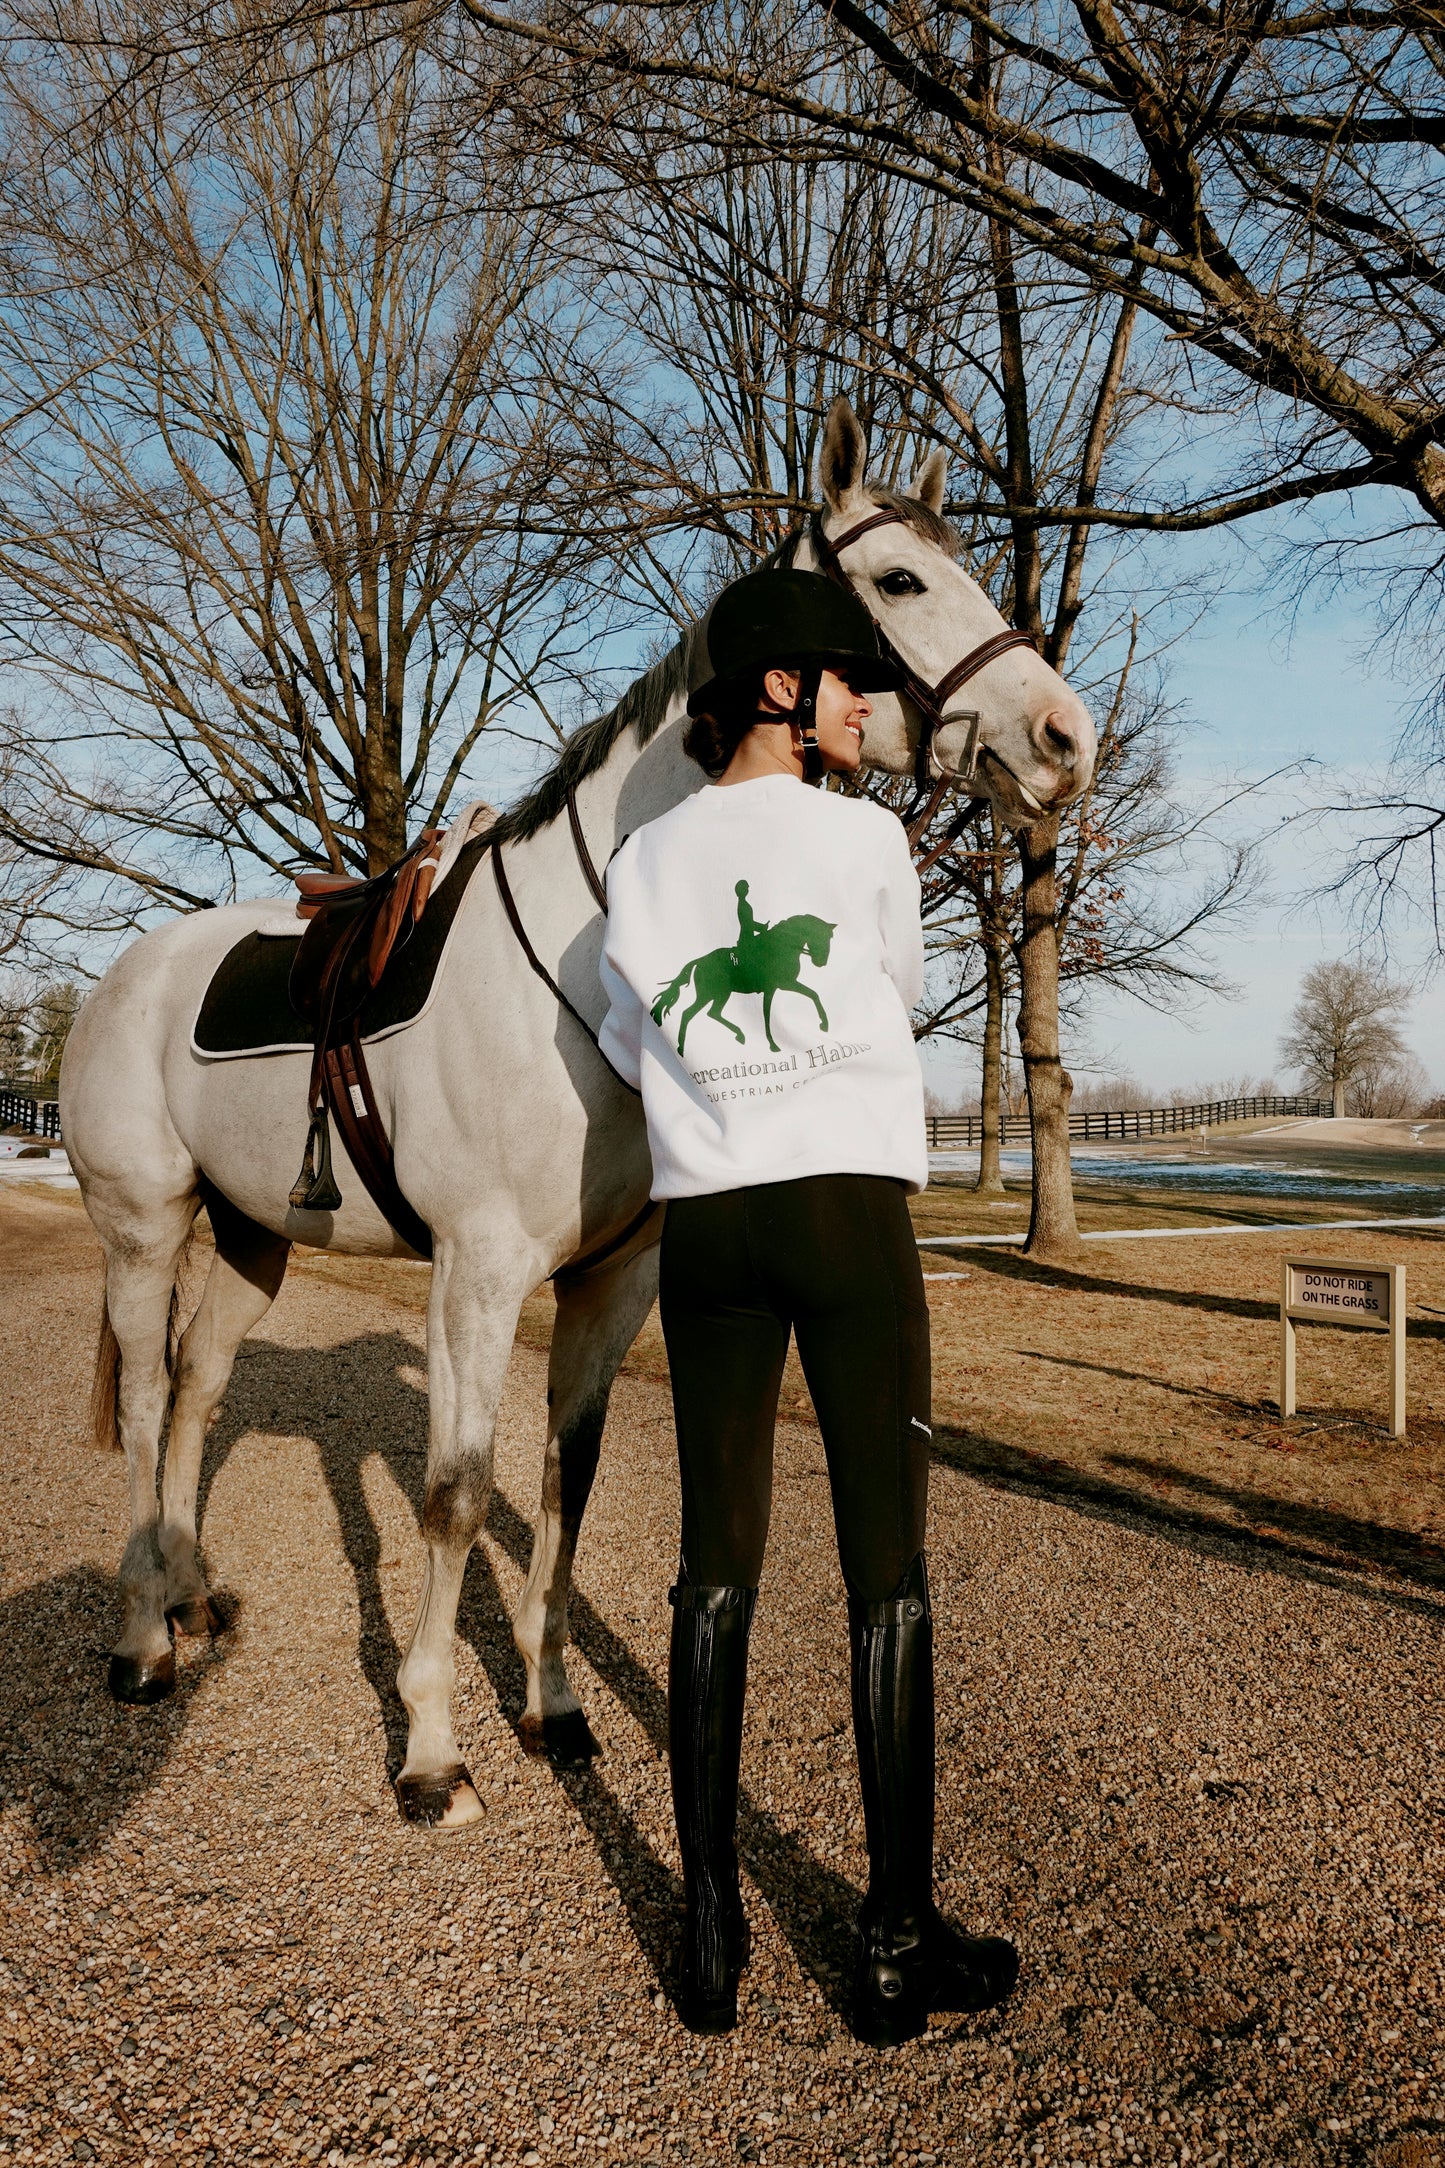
(764, 960)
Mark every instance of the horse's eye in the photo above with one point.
(900, 582)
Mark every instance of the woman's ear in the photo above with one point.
(780, 689)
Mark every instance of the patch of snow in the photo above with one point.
(55, 1169)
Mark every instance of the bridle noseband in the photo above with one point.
(930, 700)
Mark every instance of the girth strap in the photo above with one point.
(352, 1101)
(341, 1085)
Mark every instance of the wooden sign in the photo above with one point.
(1323, 1291)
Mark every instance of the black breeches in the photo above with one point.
(833, 1258)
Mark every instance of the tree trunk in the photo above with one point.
(990, 1177)
(383, 796)
(1338, 1108)
(1053, 1229)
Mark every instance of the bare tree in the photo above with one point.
(1264, 184)
(1392, 1090)
(973, 900)
(1343, 1029)
(762, 274)
(51, 1015)
(1146, 876)
(297, 440)
(1392, 873)
(14, 1013)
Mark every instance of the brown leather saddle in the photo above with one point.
(355, 927)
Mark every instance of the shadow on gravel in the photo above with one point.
(1281, 1536)
(71, 1759)
(310, 1392)
(353, 1403)
(813, 1906)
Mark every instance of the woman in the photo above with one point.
(786, 1135)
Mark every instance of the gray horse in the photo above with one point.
(513, 1140)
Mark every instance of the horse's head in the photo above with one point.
(1027, 740)
(817, 936)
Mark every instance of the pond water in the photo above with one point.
(1198, 1176)
(1205, 1175)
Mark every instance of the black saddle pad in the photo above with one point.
(247, 1006)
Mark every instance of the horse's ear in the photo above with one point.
(930, 484)
(844, 456)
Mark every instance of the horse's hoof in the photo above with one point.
(196, 1615)
(445, 1801)
(565, 1740)
(135, 1680)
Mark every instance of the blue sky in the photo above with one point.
(1263, 689)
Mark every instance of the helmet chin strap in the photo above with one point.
(805, 717)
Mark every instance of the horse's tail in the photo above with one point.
(105, 1386)
(105, 1389)
(669, 996)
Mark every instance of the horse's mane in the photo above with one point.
(643, 707)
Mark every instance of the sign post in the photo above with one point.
(1322, 1291)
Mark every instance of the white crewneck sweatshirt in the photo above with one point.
(763, 951)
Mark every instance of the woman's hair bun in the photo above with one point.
(712, 737)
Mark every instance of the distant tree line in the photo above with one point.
(33, 1030)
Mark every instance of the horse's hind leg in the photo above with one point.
(245, 1276)
(140, 1279)
(716, 1010)
(599, 1315)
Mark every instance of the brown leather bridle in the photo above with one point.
(930, 700)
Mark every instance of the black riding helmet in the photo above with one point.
(777, 620)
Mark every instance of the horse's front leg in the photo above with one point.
(599, 1315)
(471, 1323)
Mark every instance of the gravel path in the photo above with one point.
(1200, 1784)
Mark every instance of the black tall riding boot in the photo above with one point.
(910, 1960)
(706, 1686)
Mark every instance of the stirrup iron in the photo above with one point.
(314, 1189)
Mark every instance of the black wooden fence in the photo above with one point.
(22, 1110)
(41, 1118)
(945, 1130)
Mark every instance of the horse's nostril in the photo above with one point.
(1061, 734)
